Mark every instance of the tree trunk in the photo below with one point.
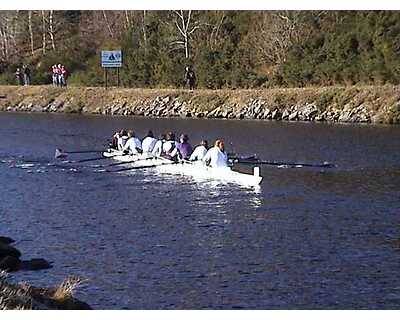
(4, 48)
(43, 32)
(128, 20)
(31, 31)
(108, 25)
(144, 30)
(51, 27)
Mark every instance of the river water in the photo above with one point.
(306, 239)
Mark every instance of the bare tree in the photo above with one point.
(276, 32)
(213, 39)
(4, 36)
(186, 26)
(127, 20)
(10, 32)
(108, 24)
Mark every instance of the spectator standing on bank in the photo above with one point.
(59, 76)
(190, 78)
(63, 77)
(27, 75)
(54, 75)
(19, 76)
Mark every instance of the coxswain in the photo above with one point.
(133, 144)
(149, 142)
(216, 157)
(158, 147)
(200, 151)
(184, 147)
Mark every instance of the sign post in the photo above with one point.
(111, 59)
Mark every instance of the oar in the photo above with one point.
(143, 167)
(126, 162)
(291, 164)
(91, 159)
(63, 154)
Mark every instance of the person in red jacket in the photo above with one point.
(63, 76)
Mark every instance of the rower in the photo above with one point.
(200, 151)
(149, 142)
(114, 141)
(184, 147)
(157, 150)
(169, 150)
(122, 137)
(133, 144)
(216, 157)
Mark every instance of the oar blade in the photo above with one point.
(60, 154)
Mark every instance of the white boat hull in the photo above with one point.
(197, 169)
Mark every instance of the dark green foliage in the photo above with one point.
(361, 47)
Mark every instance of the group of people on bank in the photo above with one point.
(23, 76)
(167, 147)
(59, 75)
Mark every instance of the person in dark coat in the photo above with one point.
(27, 75)
(190, 78)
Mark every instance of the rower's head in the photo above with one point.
(184, 138)
(150, 134)
(219, 143)
(204, 143)
(131, 133)
(170, 136)
(123, 132)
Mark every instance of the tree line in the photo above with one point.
(227, 49)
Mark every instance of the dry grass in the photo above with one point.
(24, 297)
(67, 288)
(13, 297)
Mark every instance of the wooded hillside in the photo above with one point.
(227, 49)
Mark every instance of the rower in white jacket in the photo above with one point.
(157, 150)
(199, 152)
(149, 142)
(133, 144)
(216, 156)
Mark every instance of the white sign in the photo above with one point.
(111, 59)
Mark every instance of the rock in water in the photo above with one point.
(9, 264)
(6, 240)
(35, 264)
(7, 250)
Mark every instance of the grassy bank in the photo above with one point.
(377, 104)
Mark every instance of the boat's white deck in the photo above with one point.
(196, 169)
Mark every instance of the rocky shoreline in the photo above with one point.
(370, 104)
(24, 296)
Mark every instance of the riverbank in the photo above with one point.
(355, 104)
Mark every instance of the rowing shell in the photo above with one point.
(196, 169)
